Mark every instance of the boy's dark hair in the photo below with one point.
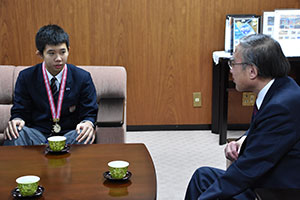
(52, 35)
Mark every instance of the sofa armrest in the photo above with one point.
(111, 112)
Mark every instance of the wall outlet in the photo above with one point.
(248, 98)
(197, 101)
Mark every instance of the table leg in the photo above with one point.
(224, 70)
(215, 98)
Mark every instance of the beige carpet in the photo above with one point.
(177, 154)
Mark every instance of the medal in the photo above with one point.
(56, 128)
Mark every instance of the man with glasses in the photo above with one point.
(268, 155)
(232, 63)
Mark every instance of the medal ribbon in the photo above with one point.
(55, 112)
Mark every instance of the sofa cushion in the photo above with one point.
(110, 81)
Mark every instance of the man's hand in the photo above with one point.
(85, 131)
(13, 128)
(232, 151)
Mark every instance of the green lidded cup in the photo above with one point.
(28, 185)
(118, 169)
(57, 143)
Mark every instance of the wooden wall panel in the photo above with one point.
(238, 114)
(165, 45)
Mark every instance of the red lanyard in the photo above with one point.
(55, 112)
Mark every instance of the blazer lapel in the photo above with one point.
(68, 82)
(40, 86)
(277, 83)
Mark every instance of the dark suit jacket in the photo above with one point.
(31, 101)
(270, 155)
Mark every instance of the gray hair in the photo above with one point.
(266, 53)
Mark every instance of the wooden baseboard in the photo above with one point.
(182, 127)
(168, 127)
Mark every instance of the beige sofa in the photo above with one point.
(110, 83)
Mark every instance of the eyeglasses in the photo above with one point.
(231, 63)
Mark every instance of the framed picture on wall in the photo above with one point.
(243, 26)
(268, 23)
(228, 33)
(238, 26)
(287, 31)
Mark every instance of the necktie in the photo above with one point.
(255, 110)
(54, 90)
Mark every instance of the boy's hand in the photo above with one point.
(86, 131)
(13, 128)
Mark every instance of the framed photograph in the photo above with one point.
(287, 31)
(238, 26)
(228, 33)
(243, 26)
(268, 23)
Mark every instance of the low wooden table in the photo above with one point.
(79, 173)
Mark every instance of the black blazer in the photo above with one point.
(31, 101)
(270, 155)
